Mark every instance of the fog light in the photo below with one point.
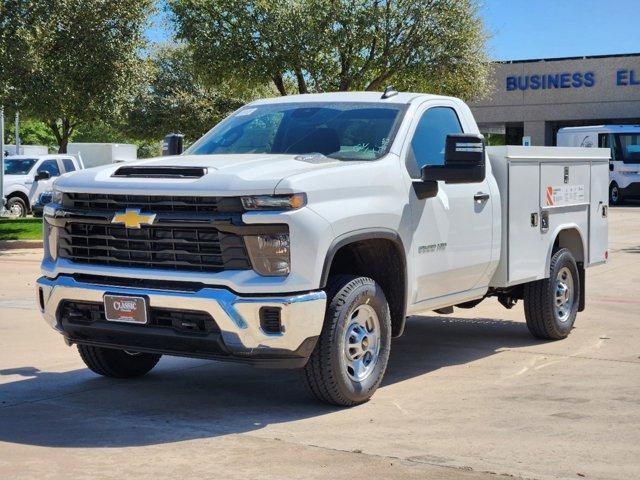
(269, 253)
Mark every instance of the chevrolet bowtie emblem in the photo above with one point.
(132, 218)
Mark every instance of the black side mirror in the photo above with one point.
(43, 175)
(172, 144)
(464, 161)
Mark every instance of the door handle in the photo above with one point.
(481, 197)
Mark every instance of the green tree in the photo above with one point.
(327, 45)
(32, 132)
(69, 62)
(176, 101)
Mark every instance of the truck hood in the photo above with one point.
(226, 175)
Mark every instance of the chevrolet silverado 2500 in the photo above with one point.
(302, 231)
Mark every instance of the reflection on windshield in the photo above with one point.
(18, 166)
(346, 131)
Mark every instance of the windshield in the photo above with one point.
(629, 147)
(346, 131)
(18, 166)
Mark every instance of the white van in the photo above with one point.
(624, 142)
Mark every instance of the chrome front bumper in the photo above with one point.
(236, 316)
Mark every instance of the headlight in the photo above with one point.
(269, 253)
(56, 196)
(275, 202)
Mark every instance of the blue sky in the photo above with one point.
(523, 29)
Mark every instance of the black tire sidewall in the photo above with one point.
(117, 363)
(611, 201)
(561, 259)
(367, 293)
(18, 200)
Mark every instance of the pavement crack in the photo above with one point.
(560, 355)
(406, 460)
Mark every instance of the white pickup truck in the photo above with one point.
(26, 177)
(302, 231)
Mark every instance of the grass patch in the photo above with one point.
(21, 229)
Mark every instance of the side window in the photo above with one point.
(606, 140)
(50, 166)
(428, 142)
(603, 140)
(68, 165)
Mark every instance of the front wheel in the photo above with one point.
(350, 358)
(551, 304)
(110, 362)
(16, 207)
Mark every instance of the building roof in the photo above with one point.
(560, 59)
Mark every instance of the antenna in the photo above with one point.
(389, 92)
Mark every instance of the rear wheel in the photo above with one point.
(110, 362)
(615, 195)
(350, 358)
(551, 304)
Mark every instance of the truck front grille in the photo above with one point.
(152, 203)
(201, 249)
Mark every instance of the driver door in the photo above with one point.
(452, 232)
(37, 187)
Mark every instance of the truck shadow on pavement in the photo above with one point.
(186, 399)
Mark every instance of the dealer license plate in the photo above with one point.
(124, 308)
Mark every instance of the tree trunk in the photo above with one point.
(279, 83)
(62, 131)
(64, 143)
(378, 83)
(302, 84)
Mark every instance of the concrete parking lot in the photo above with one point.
(466, 396)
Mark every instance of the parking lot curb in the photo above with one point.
(19, 244)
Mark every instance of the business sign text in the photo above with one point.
(550, 81)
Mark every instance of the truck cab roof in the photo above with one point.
(369, 97)
(51, 156)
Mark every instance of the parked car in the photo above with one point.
(27, 176)
(301, 232)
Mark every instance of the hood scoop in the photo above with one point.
(160, 172)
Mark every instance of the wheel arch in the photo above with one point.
(356, 253)
(20, 194)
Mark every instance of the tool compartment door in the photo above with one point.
(526, 245)
(565, 190)
(599, 212)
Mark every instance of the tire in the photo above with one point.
(351, 355)
(551, 304)
(114, 363)
(16, 207)
(615, 195)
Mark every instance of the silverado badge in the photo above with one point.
(132, 218)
